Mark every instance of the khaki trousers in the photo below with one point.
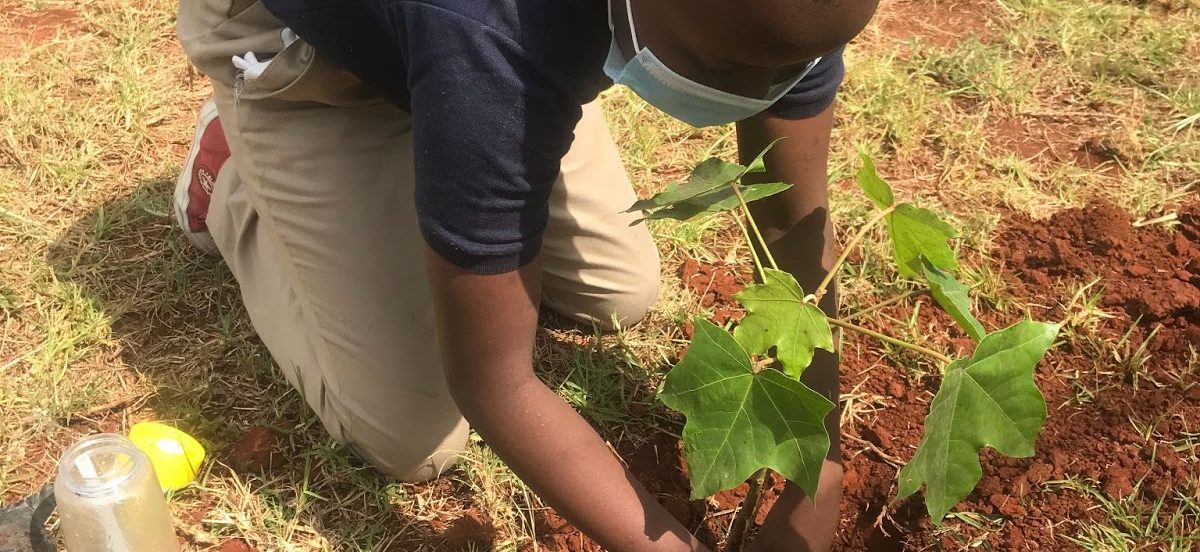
(314, 215)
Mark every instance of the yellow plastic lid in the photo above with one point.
(175, 455)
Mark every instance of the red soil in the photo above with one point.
(1150, 278)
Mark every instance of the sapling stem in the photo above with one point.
(754, 226)
(889, 339)
(850, 245)
(745, 516)
(758, 266)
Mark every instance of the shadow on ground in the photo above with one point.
(177, 317)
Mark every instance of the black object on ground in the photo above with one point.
(23, 525)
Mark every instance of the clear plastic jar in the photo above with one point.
(109, 499)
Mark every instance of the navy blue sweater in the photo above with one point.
(495, 89)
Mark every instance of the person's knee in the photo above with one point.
(626, 306)
(609, 305)
(410, 453)
(634, 305)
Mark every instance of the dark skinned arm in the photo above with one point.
(797, 227)
(486, 324)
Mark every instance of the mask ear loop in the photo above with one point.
(632, 32)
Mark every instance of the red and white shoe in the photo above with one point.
(193, 189)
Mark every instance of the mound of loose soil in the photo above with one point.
(472, 528)
(1151, 277)
(1149, 274)
(1147, 278)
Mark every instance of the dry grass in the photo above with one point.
(107, 317)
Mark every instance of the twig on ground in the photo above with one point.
(887, 458)
(126, 403)
(884, 304)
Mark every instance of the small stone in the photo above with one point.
(1040, 472)
(237, 545)
(1137, 271)
(1180, 245)
(878, 435)
(254, 451)
(1007, 505)
(1117, 484)
(897, 389)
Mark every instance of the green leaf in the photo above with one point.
(739, 421)
(723, 199)
(780, 318)
(916, 232)
(755, 192)
(988, 400)
(713, 173)
(758, 165)
(952, 296)
(873, 185)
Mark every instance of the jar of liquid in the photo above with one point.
(109, 499)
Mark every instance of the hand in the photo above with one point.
(798, 524)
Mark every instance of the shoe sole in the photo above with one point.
(202, 240)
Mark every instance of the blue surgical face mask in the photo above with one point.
(679, 96)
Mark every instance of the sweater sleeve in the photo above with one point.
(816, 91)
(490, 126)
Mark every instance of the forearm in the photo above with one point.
(796, 223)
(488, 324)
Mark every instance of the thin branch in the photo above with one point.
(119, 405)
(889, 339)
(888, 303)
(850, 245)
(745, 516)
(892, 460)
(758, 266)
